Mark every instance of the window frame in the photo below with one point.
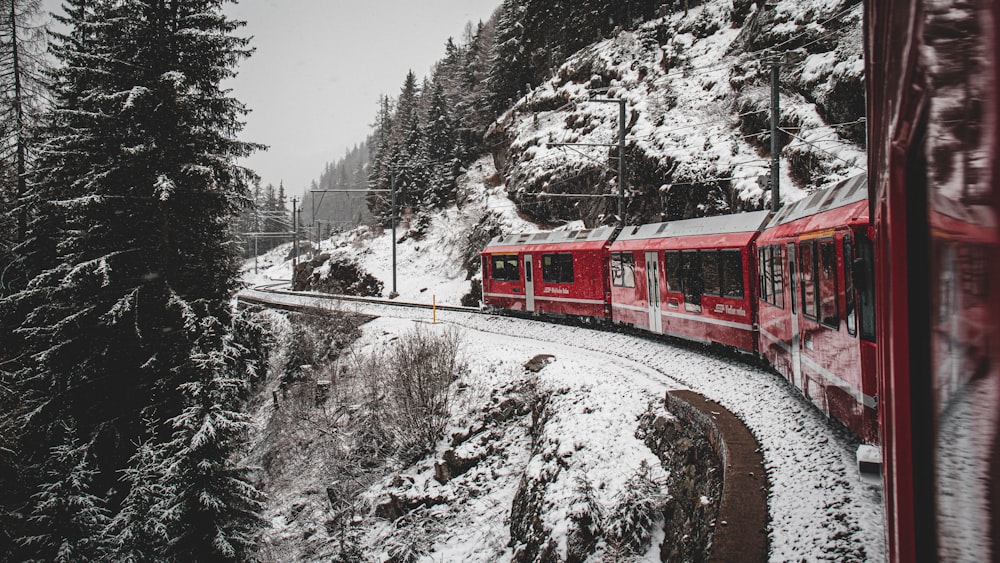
(731, 273)
(826, 283)
(507, 260)
(625, 264)
(808, 279)
(554, 268)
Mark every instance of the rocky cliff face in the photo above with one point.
(697, 89)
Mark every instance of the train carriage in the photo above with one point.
(815, 302)
(558, 272)
(692, 279)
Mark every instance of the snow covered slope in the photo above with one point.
(697, 93)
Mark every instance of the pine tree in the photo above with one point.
(407, 158)
(130, 241)
(212, 509)
(439, 135)
(67, 519)
(511, 71)
(380, 174)
(138, 532)
(22, 88)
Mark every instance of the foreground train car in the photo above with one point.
(562, 273)
(933, 93)
(816, 309)
(692, 279)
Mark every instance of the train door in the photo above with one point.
(653, 285)
(529, 285)
(793, 284)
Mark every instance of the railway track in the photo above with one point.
(273, 290)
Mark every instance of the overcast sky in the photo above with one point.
(314, 82)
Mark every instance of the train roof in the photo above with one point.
(841, 194)
(586, 237)
(716, 225)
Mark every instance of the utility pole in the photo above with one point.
(295, 242)
(775, 143)
(392, 186)
(621, 153)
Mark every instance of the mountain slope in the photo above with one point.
(697, 93)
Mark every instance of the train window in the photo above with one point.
(557, 268)
(864, 281)
(827, 282)
(851, 314)
(672, 264)
(763, 278)
(691, 280)
(710, 273)
(777, 276)
(807, 277)
(505, 267)
(973, 269)
(622, 269)
(731, 267)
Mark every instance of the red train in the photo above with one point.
(794, 287)
(881, 304)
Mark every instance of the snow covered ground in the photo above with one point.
(820, 508)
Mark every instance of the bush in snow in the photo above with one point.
(639, 507)
(410, 389)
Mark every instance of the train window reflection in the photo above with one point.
(505, 267)
(622, 269)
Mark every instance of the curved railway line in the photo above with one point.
(817, 504)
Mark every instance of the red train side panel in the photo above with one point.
(693, 279)
(816, 310)
(932, 85)
(557, 272)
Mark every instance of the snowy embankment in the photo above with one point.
(819, 508)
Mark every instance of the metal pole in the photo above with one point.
(621, 163)
(295, 243)
(392, 185)
(775, 144)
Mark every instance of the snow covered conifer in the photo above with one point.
(133, 200)
(212, 507)
(67, 518)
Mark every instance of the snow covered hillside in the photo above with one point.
(697, 94)
(598, 384)
(433, 268)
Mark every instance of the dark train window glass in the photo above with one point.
(827, 277)
(622, 269)
(710, 273)
(973, 269)
(505, 267)
(691, 281)
(672, 264)
(763, 280)
(778, 273)
(557, 268)
(807, 269)
(864, 280)
(850, 314)
(731, 266)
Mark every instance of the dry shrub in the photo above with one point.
(408, 389)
